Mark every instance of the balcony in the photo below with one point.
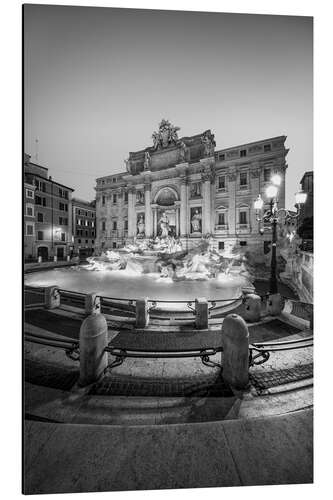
(243, 228)
(221, 228)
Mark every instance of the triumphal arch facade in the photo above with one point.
(183, 187)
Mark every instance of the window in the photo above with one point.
(243, 179)
(63, 221)
(92, 242)
(242, 243)
(63, 236)
(40, 201)
(29, 193)
(40, 235)
(77, 232)
(114, 225)
(79, 241)
(40, 217)
(126, 197)
(103, 225)
(114, 245)
(41, 186)
(126, 225)
(29, 229)
(114, 198)
(29, 210)
(267, 147)
(221, 182)
(267, 174)
(221, 245)
(222, 157)
(86, 233)
(86, 214)
(243, 217)
(87, 223)
(63, 207)
(103, 200)
(221, 219)
(92, 223)
(242, 153)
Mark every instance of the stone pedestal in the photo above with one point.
(92, 304)
(252, 307)
(235, 356)
(93, 340)
(141, 313)
(51, 297)
(201, 313)
(274, 304)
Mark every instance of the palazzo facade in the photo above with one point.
(184, 188)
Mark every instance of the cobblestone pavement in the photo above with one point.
(50, 374)
(274, 378)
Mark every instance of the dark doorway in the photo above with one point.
(60, 253)
(43, 252)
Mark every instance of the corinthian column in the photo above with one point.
(131, 213)
(183, 207)
(255, 190)
(232, 202)
(148, 214)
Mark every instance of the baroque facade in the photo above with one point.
(183, 187)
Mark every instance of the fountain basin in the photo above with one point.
(122, 284)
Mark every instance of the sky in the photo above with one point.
(98, 81)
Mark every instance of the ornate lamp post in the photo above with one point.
(274, 215)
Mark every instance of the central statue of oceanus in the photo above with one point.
(166, 135)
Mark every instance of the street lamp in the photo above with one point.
(273, 215)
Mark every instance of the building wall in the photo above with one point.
(52, 212)
(246, 170)
(29, 220)
(84, 227)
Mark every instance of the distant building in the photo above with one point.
(84, 227)
(185, 187)
(307, 187)
(305, 220)
(52, 214)
(29, 220)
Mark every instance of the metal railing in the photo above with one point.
(70, 345)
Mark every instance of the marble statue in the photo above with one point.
(183, 151)
(141, 226)
(147, 161)
(209, 144)
(164, 225)
(166, 135)
(196, 222)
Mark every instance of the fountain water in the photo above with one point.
(159, 269)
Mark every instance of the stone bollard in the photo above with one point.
(274, 304)
(252, 307)
(51, 297)
(93, 341)
(141, 313)
(40, 260)
(55, 258)
(201, 313)
(92, 304)
(235, 355)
